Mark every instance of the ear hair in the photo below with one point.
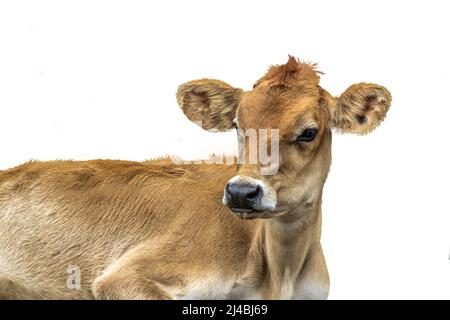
(210, 103)
(360, 109)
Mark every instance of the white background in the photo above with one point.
(97, 79)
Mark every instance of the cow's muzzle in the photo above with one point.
(248, 197)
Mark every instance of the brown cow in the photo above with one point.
(163, 230)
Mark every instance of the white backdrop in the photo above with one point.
(97, 79)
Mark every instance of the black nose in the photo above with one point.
(243, 195)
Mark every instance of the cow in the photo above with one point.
(165, 229)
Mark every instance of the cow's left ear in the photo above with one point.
(209, 103)
(360, 109)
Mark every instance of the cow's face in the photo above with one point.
(284, 132)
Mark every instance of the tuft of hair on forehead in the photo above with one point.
(291, 73)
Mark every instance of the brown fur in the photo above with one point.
(158, 230)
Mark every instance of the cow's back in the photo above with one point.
(56, 217)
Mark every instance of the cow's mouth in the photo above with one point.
(242, 210)
(248, 214)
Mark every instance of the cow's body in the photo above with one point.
(57, 215)
(159, 230)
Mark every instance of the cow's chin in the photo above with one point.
(247, 214)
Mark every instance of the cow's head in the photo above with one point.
(297, 116)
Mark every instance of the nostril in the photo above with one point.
(232, 189)
(254, 192)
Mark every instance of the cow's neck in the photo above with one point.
(285, 242)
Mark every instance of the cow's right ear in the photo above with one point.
(209, 103)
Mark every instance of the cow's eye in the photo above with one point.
(307, 135)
